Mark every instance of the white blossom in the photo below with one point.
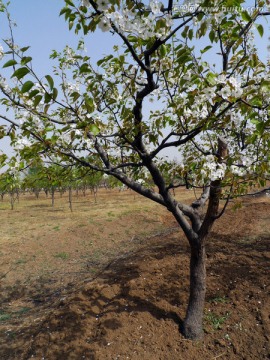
(239, 171)
(22, 143)
(103, 4)
(237, 92)
(71, 87)
(225, 92)
(23, 117)
(1, 52)
(85, 3)
(155, 6)
(88, 143)
(37, 123)
(204, 112)
(210, 93)
(221, 79)
(4, 85)
(104, 24)
(212, 169)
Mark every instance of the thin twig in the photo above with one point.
(216, 357)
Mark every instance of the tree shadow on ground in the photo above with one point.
(87, 313)
(76, 322)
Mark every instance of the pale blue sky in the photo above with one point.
(39, 25)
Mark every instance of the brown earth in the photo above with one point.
(110, 281)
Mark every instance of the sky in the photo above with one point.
(39, 25)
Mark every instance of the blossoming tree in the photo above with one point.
(185, 76)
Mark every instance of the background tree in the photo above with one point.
(10, 183)
(155, 92)
(34, 180)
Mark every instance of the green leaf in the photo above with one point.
(33, 93)
(211, 78)
(202, 30)
(25, 48)
(105, 59)
(260, 29)
(37, 100)
(212, 36)
(132, 38)
(265, 85)
(245, 16)
(47, 98)
(83, 9)
(254, 61)
(190, 34)
(69, 2)
(26, 59)
(260, 127)
(20, 73)
(54, 93)
(70, 25)
(162, 50)
(10, 63)
(75, 96)
(50, 81)
(27, 86)
(94, 129)
(200, 16)
(89, 103)
(46, 108)
(206, 49)
(84, 68)
(256, 101)
(63, 11)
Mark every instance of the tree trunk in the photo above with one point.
(12, 200)
(95, 193)
(70, 198)
(52, 190)
(193, 323)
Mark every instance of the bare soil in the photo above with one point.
(110, 281)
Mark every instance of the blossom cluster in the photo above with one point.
(231, 88)
(4, 85)
(129, 22)
(21, 143)
(26, 117)
(212, 169)
(132, 21)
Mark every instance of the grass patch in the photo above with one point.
(110, 213)
(22, 311)
(21, 261)
(4, 316)
(219, 300)
(81, 225)
(216, 321)
(62, 255)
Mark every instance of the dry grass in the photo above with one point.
(41, 244)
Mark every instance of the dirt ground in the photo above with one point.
(110, 281)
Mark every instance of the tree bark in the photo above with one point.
(52, 189)
(70, 198)
(193, 323)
